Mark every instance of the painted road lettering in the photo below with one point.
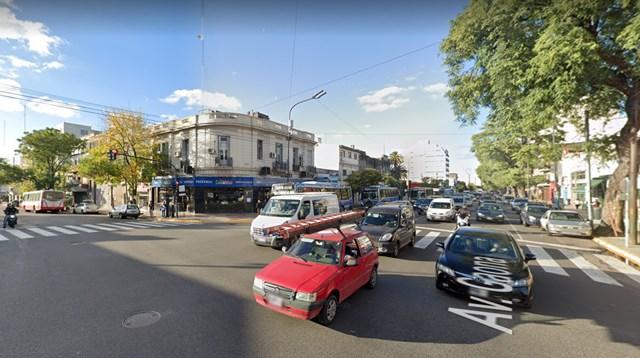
(489, 274)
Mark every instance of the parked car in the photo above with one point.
(85, 207)
(125, 211)
(506, 199)
(441, 209)
(490, 212)
(565, 222)
(485, 263)
(421, 205)
(392, 226)
(317, 273)
(531, 214)
(518, 203)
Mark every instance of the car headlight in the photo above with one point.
(446, 270)
(480, 214)
(532, 218)
(258, 283)
(386, 237)
(524, 282)
(500, 216)
(306, 296)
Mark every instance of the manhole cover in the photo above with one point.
(141, 319)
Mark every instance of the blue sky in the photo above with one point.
(147, 57)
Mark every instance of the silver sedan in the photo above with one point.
(565, 222)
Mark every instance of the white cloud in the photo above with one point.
(53, 107)
(213, 100)
(8, 3)
(367, 126)
(436, 90)
(18, 62)
(384, 99)
(53, 65)
(169, 116)
(10, 104)
(35, 35)
(410, 78)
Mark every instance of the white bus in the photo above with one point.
(43, 200)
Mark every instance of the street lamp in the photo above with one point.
(318, 95)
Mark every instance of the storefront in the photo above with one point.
(227, 194)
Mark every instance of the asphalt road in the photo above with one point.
(68, 294)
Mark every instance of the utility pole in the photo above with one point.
(318, 95)
(633, 171)
(587, 188)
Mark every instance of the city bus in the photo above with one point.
(375, 194)
(420, 193)
(342, 191)
(43, 200)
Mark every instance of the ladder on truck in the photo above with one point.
(334, 221)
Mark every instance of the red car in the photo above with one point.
(317, 272)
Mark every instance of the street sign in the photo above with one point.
(181, 188)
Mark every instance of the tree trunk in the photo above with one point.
(613, 208)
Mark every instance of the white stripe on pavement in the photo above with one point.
(621, 267)
(99, 227)
(432, 228)
(426, 240)
(62, 230)
(117, 226)
(136, 226)
(588, 268)
(41, 231)
(19, 234)
(141, 224)
(80, 228)
(2, 238)
(546, 262)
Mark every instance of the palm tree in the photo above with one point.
(398, 170)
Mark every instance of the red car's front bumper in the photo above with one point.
(290, 310)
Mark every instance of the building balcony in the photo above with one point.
(279, 168)
(224, 163)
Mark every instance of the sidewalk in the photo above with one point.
(230, 218)
(615, 245)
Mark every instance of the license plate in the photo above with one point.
(263, 239)
(478, 292)
(275, 300)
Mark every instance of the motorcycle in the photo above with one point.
(12, 221)
(462, 220)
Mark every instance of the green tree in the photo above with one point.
(398, 170)
(534, 64)
(127, 134)
(460, 186)
(11, 173)
(47, 153)
(360, 179)
(472, 187)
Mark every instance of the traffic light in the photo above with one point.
(113, 154)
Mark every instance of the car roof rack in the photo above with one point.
(309, 226)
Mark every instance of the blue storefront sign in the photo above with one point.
(217, 182)
(163, 182)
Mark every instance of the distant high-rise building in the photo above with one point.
(426, 160)
(78, 130)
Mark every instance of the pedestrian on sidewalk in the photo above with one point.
(163, 209)
(151, 208)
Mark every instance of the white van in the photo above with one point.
(442, 209)
(284, 209)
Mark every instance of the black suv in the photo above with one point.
(391, 225)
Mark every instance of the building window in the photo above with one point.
(355, 156)
(296, 154)
(279, 149)
(224, 147)
(260, 145)
(342, 153)
(184, 150)
(344, 172)
(349, 155)
(310, 157)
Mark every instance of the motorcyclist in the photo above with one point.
(462, 218)
(8, 211)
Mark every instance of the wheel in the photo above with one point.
(412, 243)
(136, 217)
(373, 279)
(121, 216)
(439, 285)
(83, 212)
(329, 310)
(526, 223)
(110, 216)
(396, 250)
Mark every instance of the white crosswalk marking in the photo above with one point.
(588, 268)
(132, 226)
(42, 232)
(141, 224)
(19, 234)
(546, 262)
(80, 228)
(168, 224)
(2, 238)
(426, 240)
(151, 224)
(621, 266)
(61, 230)
(99, 227)
(117, 226)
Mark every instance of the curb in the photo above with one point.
(189, 220)
(618, 251)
